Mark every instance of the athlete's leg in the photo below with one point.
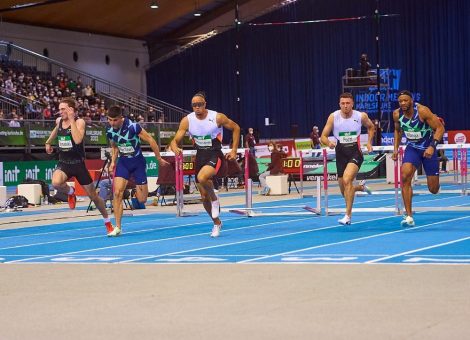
(349, 189)
(120, 185)
(59, 181)
(206, 188)
(431, 168)
(407, 173)
(99, 202)
(142, 192)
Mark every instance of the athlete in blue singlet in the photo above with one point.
(127, 160)
(423, 131)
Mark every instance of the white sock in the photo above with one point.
(106, 220)
(71, 190)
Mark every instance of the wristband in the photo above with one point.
(434, 143)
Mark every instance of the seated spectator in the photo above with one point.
(14, 123)
(274, 168)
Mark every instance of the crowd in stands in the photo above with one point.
(39, 94)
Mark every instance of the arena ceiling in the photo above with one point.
(129, 18)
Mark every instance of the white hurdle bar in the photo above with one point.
(179, 178)
(249, 211)
(462, 161)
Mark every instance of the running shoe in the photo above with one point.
(365, 188)
(266, 191)
(346, 220)
(407, 221)
(216, 230)
(109, 227)
(72, 200)
(116, 232)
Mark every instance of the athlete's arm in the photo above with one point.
(432, 120)
(223, 120)
(435, 124)
(397, 134)
(114, 156)
(52, 136)
(326, 132)
(370, 129)
(77, 127)
(184, 126)
(144, 135)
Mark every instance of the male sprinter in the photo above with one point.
(205, 127)
(125, 137)
(346, 125)
(70, 131)
(423, 131)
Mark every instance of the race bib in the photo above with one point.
(348, 137)
(203, 141)
(65, 142)
(126, 149)
(413, 135)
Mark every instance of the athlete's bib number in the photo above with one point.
(348, 137)
(413, 135)
(203, 141)
(126, 149)
(65, 142)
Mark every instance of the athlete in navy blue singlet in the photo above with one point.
(127, 159)
(423, 131)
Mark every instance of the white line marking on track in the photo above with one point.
(352, 240)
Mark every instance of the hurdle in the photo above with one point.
(460, 176)
(251, 211)
(179, 179)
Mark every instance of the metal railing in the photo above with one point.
(139, 102)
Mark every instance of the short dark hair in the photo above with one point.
(70, 102)
(201, 94)
(406, 93)
(115, 111)
(346, 95)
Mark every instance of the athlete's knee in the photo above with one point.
(347, 181)
(434, 189)
(205, 197)
(57, 183)
(118, 195)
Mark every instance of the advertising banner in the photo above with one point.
(12, 136)
(13, 173)
(95, 136)
(458, 136)
(38, 135)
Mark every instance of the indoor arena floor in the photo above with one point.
(265, 277)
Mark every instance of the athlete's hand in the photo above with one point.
(49, 149)
(232, 155)
(395, 155)
(111, 168)
(176, 150)
(70, 113)
(428, 152)
(331, 144)
(369, 147)
(162, 162)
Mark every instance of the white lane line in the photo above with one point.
(75, 229)
(157, 240)
(255, 239)
(352, 240)
(420, 249)
(104, 236)
(99, 236)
